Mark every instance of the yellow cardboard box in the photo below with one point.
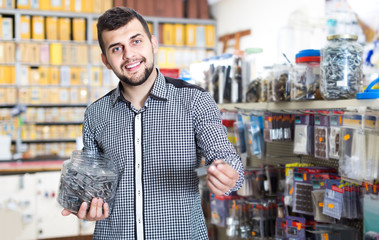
(10, 52)
(64, 29)
(151, 29)
(2, 52)
(83, 95)
(10, 4)
(178, 34)
(75, 76)
(44, 5)
(35, 53)
(82, 57)
(76, 5)
(83, 74)
(168, 34)
(7, 28)
(23, 95)
(43, 75)
(210, 36)
(56, 5)
(94, 31)
(52, 28)
(96, 77)
(1, 26)
(56, 54)
(67, 54)
(11, 96)
(106, 4)
(24, 53)
(34, 76)
(87, 6)
(54, 76)
(25, 27)
(79, 29)
(67, 5)
(97, 6)
(38, 28)
(190, 35)
(23, 4)
(24, 75)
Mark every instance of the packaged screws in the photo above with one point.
(86, 176)
(341, 67)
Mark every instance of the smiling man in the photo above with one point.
(155, 129)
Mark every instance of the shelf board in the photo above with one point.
(30, 166)
(52, 13)
(56, 105)
(54, 123)
(304, 105)
(7, 105)
(49, 141)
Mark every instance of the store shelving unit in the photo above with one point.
(93, 61)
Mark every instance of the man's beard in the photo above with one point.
(139, 81)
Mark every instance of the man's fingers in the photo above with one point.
(214, 189)
(99, 211)
(93, 209)
(82, 211)
(65, 212)
(223, 179)
(106, 210)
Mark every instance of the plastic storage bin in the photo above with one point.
(341, 67)
(85, 176)
(305, 76)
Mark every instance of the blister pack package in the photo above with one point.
(321, 135)
(352, 162)
(335, 123)
(333, 200)
(371, 131)
(303, 137)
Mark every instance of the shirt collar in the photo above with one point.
(158, 92)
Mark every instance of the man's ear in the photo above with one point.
(154, 42)
(105, 61)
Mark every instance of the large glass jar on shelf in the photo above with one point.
(341, 67)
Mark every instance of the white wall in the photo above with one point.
(276, 26)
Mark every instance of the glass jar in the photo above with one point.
(281, 87)
(250, 77)
(84, 176)
(341, 67)
(305, 76)
(266, 84)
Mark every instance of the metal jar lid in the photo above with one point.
(342, 36)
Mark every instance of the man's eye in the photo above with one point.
(137, 41)
(116, 49)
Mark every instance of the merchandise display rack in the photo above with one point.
(90, 19)
(279, 153)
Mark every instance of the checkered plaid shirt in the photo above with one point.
(156, 150)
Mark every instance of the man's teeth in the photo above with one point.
(131, 66)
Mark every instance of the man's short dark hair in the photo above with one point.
(115, 18)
